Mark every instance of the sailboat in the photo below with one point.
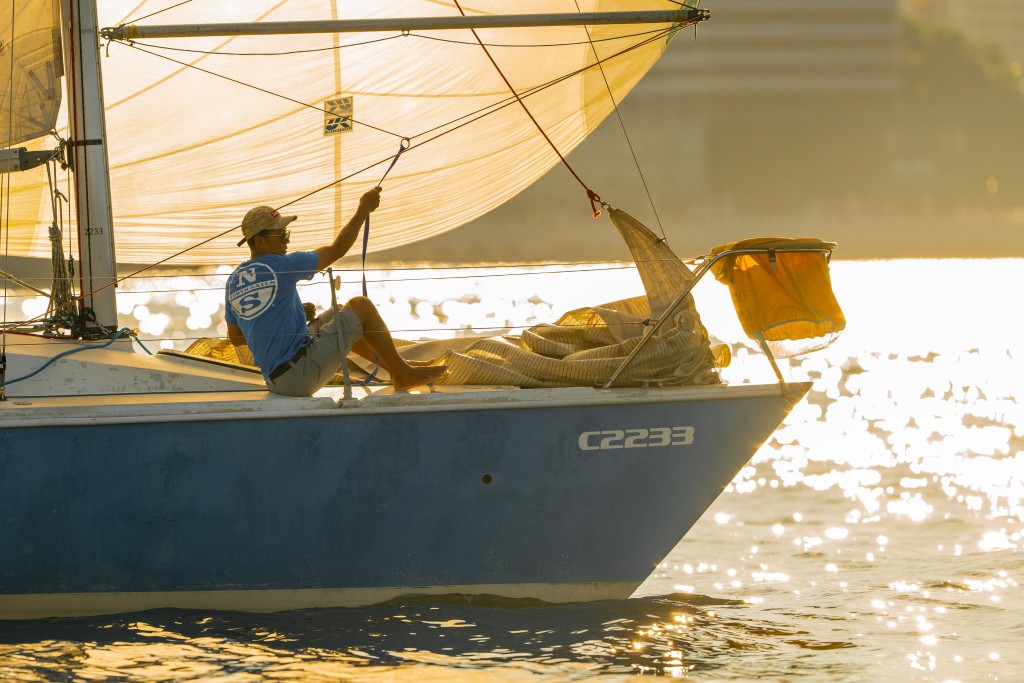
(131, 481)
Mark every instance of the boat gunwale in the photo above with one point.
(106, 410)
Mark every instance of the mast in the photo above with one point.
(88, 157)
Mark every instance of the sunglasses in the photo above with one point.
(285, 236)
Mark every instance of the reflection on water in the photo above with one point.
(877, 535)
(435, 639)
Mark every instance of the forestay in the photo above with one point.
(191, 150)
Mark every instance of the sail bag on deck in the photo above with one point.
(585, 346)
(784, 297)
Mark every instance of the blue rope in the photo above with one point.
(366, 242)
(120, 333)
(402, 146)
(139, 342)
(373, 375)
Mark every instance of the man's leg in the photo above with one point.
(376, 340)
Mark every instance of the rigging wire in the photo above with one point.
(153, 14)
(622, 125)
(501, 104)
(490, 329)
(421, 36)
(283, 53)
(491, 108)
(5, 208)
(382, 280)
(573, 267)
(591, 195)
(472, 116)
(225, 53)
(572, 43)
(132, 44)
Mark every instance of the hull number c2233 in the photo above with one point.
(653, 437)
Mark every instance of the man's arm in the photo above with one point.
(235, 335)
(347, 237)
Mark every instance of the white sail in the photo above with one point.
(190, 151)
(31, 65)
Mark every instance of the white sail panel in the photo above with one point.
(31, 66)
(191, 152)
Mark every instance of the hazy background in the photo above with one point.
(889, 126)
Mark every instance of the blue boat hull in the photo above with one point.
(316, 510)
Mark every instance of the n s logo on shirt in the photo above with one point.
(252, 290)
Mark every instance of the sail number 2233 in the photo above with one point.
(652, 437)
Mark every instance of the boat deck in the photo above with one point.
(174, 407)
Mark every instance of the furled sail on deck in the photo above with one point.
(31, 65)
(191, 151)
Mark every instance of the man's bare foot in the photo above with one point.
(416, 376)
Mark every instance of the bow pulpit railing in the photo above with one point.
(782, 292)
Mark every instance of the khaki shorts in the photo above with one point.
(323, 356)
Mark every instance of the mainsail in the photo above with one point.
(201, 129)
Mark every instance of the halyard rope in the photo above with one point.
(622, 125)
(591, 195)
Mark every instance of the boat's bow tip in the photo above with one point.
(794, 392)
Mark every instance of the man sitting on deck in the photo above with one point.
(263, 310)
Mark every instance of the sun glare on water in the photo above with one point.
(880, 528)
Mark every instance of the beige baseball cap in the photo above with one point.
(263, 218)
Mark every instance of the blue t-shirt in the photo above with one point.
(261, 298)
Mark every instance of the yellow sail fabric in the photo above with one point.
(191, 152)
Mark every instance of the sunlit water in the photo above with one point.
(876, 536)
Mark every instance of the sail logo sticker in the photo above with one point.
(338, 116)
(253, 290)
(653, 437)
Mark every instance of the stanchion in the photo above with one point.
(341, 341)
